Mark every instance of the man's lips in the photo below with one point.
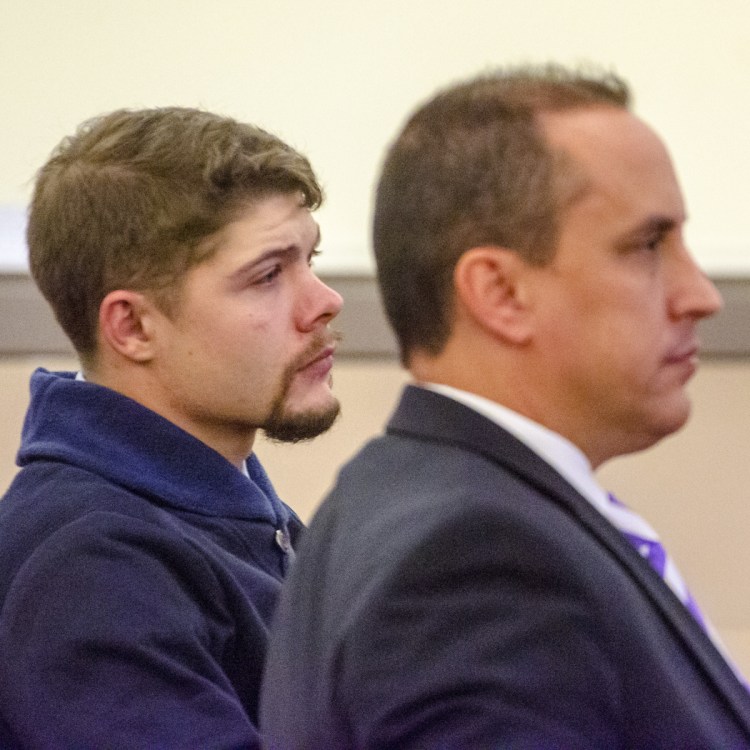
(683, 360)
(686, 353)
(321, 363)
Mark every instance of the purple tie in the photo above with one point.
(645, 540)
(647, 543)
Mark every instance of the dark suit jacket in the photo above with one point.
(455, 592)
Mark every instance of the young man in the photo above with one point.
(468, 583)
(142, 545)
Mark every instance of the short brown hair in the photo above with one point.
(471, 167)
(128, 199)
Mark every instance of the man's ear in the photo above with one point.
(126, 324)
(491, 288)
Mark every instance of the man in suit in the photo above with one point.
(467, 583)
(142, 545)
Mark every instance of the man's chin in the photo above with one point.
(284, 427)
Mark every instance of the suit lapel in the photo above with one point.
(427, 415)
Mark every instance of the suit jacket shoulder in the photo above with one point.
(455, 589)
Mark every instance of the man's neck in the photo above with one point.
(234, 443)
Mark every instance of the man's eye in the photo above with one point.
(313, 255)
(270, 276)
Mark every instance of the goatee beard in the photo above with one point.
(283, 427)
(293, 428)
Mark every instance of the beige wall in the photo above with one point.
(693, 487)
(336, 78)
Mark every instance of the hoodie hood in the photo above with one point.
(104, 432)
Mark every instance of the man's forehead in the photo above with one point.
(611, 149)
(273, 223)
(276, 215)
(593, 134)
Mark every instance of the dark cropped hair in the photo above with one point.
(471, 167)
(127, 201)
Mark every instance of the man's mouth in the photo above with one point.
(320, 361)
(323, 360)
(686, 353)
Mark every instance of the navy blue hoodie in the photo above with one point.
(139, 570)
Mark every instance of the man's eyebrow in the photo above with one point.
(658, 224)
(285, 254)
(661, 224)
(280, 253)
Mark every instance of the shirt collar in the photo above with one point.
(562, 455)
